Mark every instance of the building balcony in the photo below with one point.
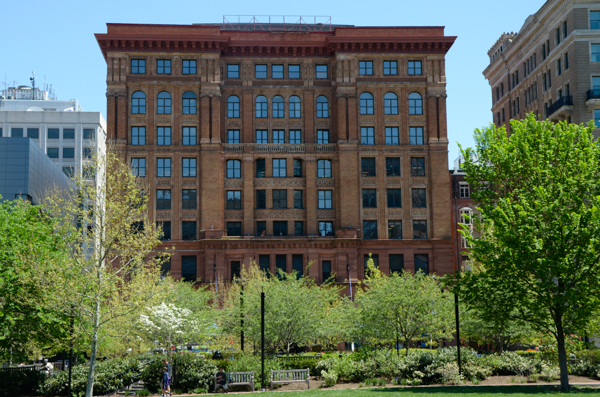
(593, 97)
(561, 109)
(278, 148)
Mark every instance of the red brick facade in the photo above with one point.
(342, 49)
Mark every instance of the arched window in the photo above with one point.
(366, 103)
(189, 103)
(322, 107)
(233, 107)
(138, 103)
(234, 169)
(164, 103)
(415, 103)
(278, 107)
(390, 103)
(262, 107)
(295, 107)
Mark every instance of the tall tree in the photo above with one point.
(402, 307)
(538, 192)
(111, 272)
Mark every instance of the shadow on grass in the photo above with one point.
(483, 390)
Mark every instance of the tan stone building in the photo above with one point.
(286, 144)
(551, 67)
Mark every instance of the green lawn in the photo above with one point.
(471, 391)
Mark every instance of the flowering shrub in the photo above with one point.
(549, 346)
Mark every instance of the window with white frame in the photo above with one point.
(463, 188)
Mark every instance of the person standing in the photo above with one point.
(165, 383)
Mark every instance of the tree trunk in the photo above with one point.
(406, 344)
(562, 355)
(89, 391)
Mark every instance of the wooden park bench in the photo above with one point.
(290, 376)
(237, 379)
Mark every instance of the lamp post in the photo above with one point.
(457, 318)
(241, 281)
(262, 338)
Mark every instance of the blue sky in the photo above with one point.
(56, 40)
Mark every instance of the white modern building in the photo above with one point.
(66, 133)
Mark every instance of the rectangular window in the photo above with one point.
(163, 167)
(264, 262)
(279, 198)
(367, 135)
(566, 60)
(52, 152)
(53, 133)
(414, 68)
(262, 136)
(260, 168)
(293, 71)
(416, 136)
(189, 136)
(87, 153)
(543, 52)
(370, 230)
(597, 118)
(279, 168)
(365, 68)
(298, 199)
(235, 269)
(280, 228)
(17, 132)
(422, 263)
(234, 229)
(369, 198)
(295, 137)
(325, 201)
(165, 226)
(278, 136)
(68, 153)
(163, 135)
(188, 199)
(420, 230)
(276, 71)
(68, 133)
(395, 230)
(396, 263)
(326, 267)
(188, 268)
(69, 171)
(326, 229)
(557, 36)
(323, 168)
(163, 199)
(594, 20)
(188, 66)
(233, 71)
(163, 66)
(419, 198)
(138, 167)
(89, 133)
(188, 167)
(374, 258)
(261, 199)
(138, 66)
(368, 166)
(234, 199)
(464, 190)
(281, 263)
(321, 71)
(33, 133)
(297, 168)
(392, 136)
(390, 68)
(595, 52)
(260, 71)
(392, 166)
(558, 67)
(394, 198)
(565, 31)
(298, 228)
(188, 231)
(233, 136)
(323, 136)
(261, 229)
(138, 135)
(417, 166)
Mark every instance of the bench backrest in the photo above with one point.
(289, 375)
(239, 377)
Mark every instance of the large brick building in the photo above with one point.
(551, 67)
(286, 144)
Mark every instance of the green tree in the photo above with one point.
(29, 252)
(402, 307)
(296, 308)
(111, 273)
(538, 192)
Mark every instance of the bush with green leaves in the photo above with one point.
(20, 382)
(330, 378)
(190, 372)
(511, 363)
(304, 363)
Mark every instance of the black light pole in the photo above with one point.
(262, 337)
(242, 315)
(456, 315)
(71, 350)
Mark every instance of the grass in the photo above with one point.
(483, 391)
